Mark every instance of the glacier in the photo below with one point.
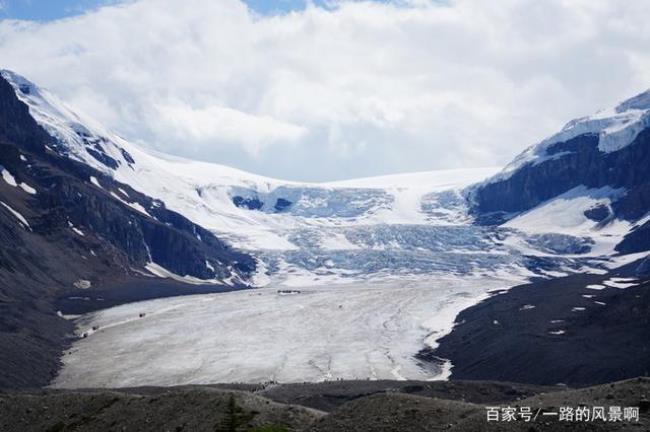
(352, 331)
(354, 277)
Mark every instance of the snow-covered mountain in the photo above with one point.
(616, 128)
(385, 264)
(69, 231)
(411, 224)
(590, 179)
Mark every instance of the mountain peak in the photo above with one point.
(19, 82)
(75, 135)
(616, 128)
(638, 102)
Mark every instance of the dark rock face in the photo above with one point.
(253, 203)
(636, 241)
(16, 124)
(31, 334)
(66, 196)
(103, 158)
(505, 339)
(282, 204)
(578, 162)
(160, 235)
(598, 213)
(127, 156)
(95, 149)
(78, 236)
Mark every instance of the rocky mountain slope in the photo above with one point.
(590, 179)
(578, 330)
(598, 162)
(68, 229)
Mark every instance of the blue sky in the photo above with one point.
(47, 10)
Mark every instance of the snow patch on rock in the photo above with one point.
(7, 177)
(17, 215)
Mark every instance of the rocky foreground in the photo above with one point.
(334, 406)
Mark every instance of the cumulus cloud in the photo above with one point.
(355, 89)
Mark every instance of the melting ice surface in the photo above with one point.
(369, 330)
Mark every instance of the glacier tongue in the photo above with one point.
(353, 331)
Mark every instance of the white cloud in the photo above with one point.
(221, 124)
(363, 89)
